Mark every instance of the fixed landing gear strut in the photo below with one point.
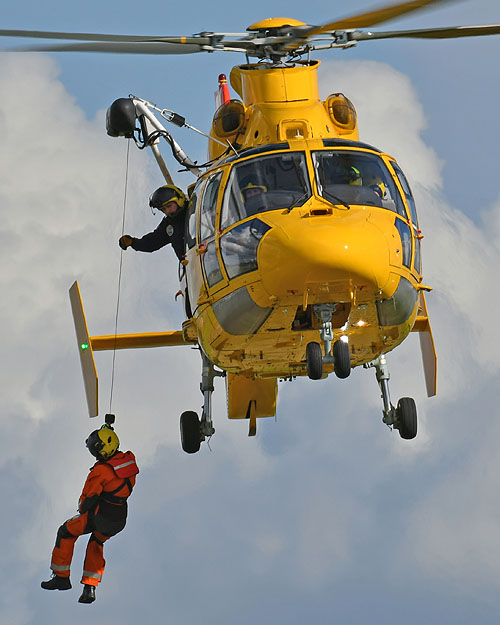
(193, 429)
(339, 355)
(404, 416)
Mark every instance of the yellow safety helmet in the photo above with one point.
(355, 177)
(166, 194)
(103, 443)
(249, 186)
(379, 188)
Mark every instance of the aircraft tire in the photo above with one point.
(314, 361)
(190, 432)
(406, 414)
(341, 359)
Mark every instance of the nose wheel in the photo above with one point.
(314, 361)
(402, 418)
(338, 354)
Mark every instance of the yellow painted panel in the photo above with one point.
(89, 370)
(140, 341)
(427, 347)
(243, 390)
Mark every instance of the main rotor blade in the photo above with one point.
(382, 14)
(45, 34)
(450, 32)
(165, 47)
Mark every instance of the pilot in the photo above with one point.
(344, 173)
(379, 188)
(102, 513)
(354, 176)
(172, 202)
(253, 196)
(250, 189)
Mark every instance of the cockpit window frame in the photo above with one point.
(363, 199)
(407, 194)
(207, 229)
(226, 221)
(192, 214)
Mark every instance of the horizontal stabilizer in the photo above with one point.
(140, 341)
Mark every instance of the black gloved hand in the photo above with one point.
(125, 241)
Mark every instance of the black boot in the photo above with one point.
(88, 594)
(57, 583)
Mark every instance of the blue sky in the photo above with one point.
(326, 515)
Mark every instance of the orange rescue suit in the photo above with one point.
(102, 513)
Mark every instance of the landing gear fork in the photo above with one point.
(208, 374)
(340, 356)
(325, 312)
(402, 418)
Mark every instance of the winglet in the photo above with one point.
(429, 356)
(85, 350)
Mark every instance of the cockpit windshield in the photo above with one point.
(265, 183)
(353, 177)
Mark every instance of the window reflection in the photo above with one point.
(211, 265)
(405, 234)
(408, 195)
(418, 257)
(208, 207)
(348, 177)
(191, 217)
(265, 183)
(239, 247)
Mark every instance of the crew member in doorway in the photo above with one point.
(102, 513)
(172, 202)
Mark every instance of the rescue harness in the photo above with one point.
(125, 468)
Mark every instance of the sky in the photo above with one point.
(326, 515)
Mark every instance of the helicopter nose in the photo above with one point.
(324, 250)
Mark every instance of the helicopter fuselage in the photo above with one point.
(256, 273)
(304, 223)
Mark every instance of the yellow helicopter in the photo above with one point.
(303, 248)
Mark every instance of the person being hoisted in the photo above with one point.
(102, 511)
(171, 201)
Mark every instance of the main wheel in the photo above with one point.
(406, 414)
(190, 432)
(314, 360)
(342, 359)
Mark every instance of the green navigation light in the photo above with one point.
(84, 345)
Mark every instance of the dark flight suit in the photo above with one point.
(169, 230)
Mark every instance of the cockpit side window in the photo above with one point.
(407, 191)
(208, 207)
(354, 177)
(265, 183)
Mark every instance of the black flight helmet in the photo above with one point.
(166, 194)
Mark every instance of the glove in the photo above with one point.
(125, 241)
(89, 503)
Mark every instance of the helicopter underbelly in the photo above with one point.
(277, 347)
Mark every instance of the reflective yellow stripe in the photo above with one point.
(92, 575)
(126, 464)
(56, 567)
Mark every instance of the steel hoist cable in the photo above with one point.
(119, 278)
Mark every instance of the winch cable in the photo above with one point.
(119, 278)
